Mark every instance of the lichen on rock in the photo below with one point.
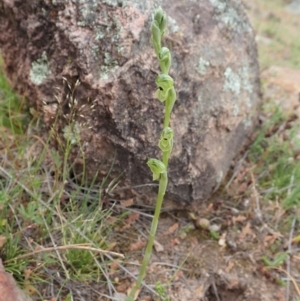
(202, 66)
(40, 70)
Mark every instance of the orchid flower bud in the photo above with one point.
(166, 140)
(164, 60)
(161, 18)
(157, 168)
(156, 37)
(170, 100)
(165, 83)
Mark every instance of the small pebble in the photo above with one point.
(182, 235)
(214, 227)
(222, 240)
(202, 223)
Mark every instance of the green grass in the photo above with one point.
(38, 213)
(12, 107)
(161, 290)
(273, 154)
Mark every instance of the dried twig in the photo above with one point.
(292, 279)
(215, 289)
(67, 247)
(257, 210)
(237, 169)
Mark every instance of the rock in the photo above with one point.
(214, 228)
(8, 288)
(102, 49)
(202, 223)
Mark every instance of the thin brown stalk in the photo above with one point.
(64, 248)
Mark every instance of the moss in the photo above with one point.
(40, 70)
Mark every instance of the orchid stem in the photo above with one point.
(161, 192)
(165, 93)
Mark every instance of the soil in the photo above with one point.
(198, 265)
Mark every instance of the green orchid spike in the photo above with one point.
(160, 18)
(157, 168)
(165, 93)
(164, 60)
(165, 83)
(166, 140)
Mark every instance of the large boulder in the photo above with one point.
(89, 66)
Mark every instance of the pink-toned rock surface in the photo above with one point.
(8, 288)
(106, 45)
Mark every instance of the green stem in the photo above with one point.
(169, 103)
(165, 158)
(161, 192)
